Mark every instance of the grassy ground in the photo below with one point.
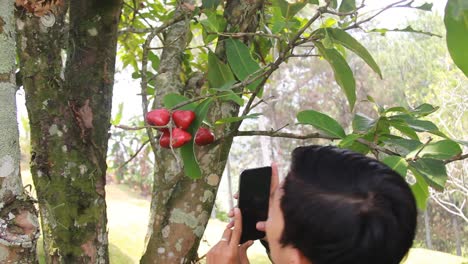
(128, 218)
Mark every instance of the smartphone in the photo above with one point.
(254, 196)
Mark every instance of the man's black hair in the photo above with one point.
(342, 207)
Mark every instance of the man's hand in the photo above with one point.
(228, 250)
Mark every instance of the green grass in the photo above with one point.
(128, 219)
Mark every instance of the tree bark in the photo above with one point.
(427, 225)
(180, 206)
(69, 110)
(19, 228)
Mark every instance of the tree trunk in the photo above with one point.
(229, 180)
(427, 229)
(19, 228)
(180, 206)
(69, 111)
(456, 229)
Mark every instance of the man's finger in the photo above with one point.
(227, 235)
(236, 233)
(231, 213)
(274, 178)
(246, 245)
(260, 226)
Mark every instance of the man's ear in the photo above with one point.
(296, 257)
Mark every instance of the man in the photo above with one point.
(334, 207)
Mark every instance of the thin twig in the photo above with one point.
(455, 158)
(274, 133)
(134, 155)
(248, 34)
(358, 23)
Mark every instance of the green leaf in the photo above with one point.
(347, 6)
(328, 23)
(210, 4)
(424, 110)
(241, 62)
(191, 167)
(348, 140)
(403, 127)
(425, 6)
(399, 109)
(432, 170)
(334, 4)
(342, 37)
(420, 189)
(422, 125)
(362, 123)
(173, 99)
(218, 72)
(343, 74)
(321, 122)
(403, 145)
(397, 164)
(228, 95)
(288, 10)
(214, 22)
(313, 2)
(233, 119)
(442, 150)
(154, 60)
(456, 23)
(383, 31)
(118, 116)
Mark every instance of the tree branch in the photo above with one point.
(358, 23)
(134, 155)
(455, 158)
(274, 133)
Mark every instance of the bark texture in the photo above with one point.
(180, 206)
(69, 110)
(19, 228)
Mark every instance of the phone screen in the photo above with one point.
(254, 196)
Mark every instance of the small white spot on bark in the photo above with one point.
(178, 245)
(20, 24)
(213, 180)
(10, 216)
(165, 232)
(193, 186)
(208, 196)
(48, 20)
(180, 217)
(7, 166)
(170, 254)
(83, 169)
(39, 174)
(54, 130)
(199, 208)
(92, 32)
(64, 149)
(161, 250)
(199, 231)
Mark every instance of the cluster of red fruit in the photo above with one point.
(178, 135)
